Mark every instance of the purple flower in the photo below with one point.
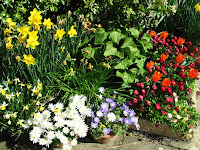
(92, 114)
(101, 89)
(109, 100)
(126, 112)
(127, 121)
(134, 119)
(96, 120)
(94, 125)
(121, 119)
(113, 104)
(111, 109)
(122, 108)
(104, 107)
(106, 131)
(118, 104)
(132, 113)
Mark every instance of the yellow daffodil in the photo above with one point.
(72, 32)
(21, 39)
(23, 31)
(9, 46)
(40, 86)
(7, 31)
(6, 116)
(41, 108)
(35, 18)
(3, 92)
(8, 39)
(197, 7)
(33, 33)
(62, 49)
(99, 26)
(9, 122)
(20, 122)
(11, 24)
(14, 115)
(47, 23)
(18, 58)
(32, 42)
(3, 106)
(72, 72)
(26, 107)
(17, 94)
(29, 59)
(90, 66)
(59, 34)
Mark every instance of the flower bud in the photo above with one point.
(138, 84)
(181, 88)
(157, 106)
(181, 83)
(147, 79)
(130, 103)
(158, 68)
(148, 102)
(143, 91)
(176, 108)
(192, 65)
(142, 85)
(135, 100)
(136, 92)
(163, 112)
(163, 88)
(190, 43)
(192, 54)
(153, 92)
(190, 90)
(171, 100)
(154, 87)
(140, 97)
(167, 99)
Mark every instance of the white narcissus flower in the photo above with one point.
(74, 142)
(42, 142)
(99, 114)
(65, 130)
(169, 115)
(59, 106)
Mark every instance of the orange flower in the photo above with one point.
(163, 57)
(198, 61)
(166, 82)
(152, 33)
(193, 73)
(180, 41)
(156, 76)
(150, 65)
(180, 58)
(164, 35)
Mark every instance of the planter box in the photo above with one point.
(165, 130)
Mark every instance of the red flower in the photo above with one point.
(156, 76)
(163, 57)
(150, 65)
(173, 82)
(164, 35)
(135, 100)
(166, 82)
(163, 112)
(193, 73)
(148, 102)
(176, 108)
(180, 58)
(152, 33)
(180, 41)
(157, 106)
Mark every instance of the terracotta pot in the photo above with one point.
(106, 139)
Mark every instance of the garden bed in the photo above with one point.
(163, 129)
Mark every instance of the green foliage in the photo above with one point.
(185, 22)
(18, 10)
(118, 13)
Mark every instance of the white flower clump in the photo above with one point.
(60, 123)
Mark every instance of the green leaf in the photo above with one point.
(100, 37)
(124, 64)
(110, 50)
(88, 52)
(128, 42)
(145, 44)
(18, 16)
(63, 2)
(127, 77)
(116, 36)
(140, 64)
(120, 54)
(134, 32)
(130, 51)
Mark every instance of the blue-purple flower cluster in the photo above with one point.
(113, 112)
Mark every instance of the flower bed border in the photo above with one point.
(163, 129)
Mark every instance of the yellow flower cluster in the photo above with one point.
(197, 7)
(13, 98)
